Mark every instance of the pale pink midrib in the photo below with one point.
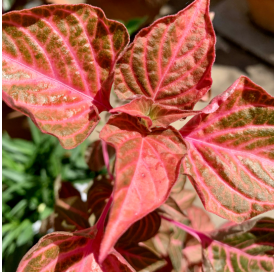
(223, 113)
(245, 169)
(49, 78)
(240, 252)
(66, 254)
(177, 49)
(69, 47)
(226, 247)
(181, 77)
(233, 213)
(113, 232)
(239, 191)
(139, 159)
(38, 43)
(55, 243)
(235, 130)
(228, 150)
(145, 65)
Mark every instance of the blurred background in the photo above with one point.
(32, 162)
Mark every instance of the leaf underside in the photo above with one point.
(147, 166)
(170, 61)
(230, 153)
(58, 63)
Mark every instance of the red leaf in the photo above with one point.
(170, 61)
(141, 230)
(141, 258)
(153, 115)
(70, 211)
(98, 195)
(147, 166)
(230, 155)
(62, 251)
(94, 155)
(58, 64)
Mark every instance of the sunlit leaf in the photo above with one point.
(58, 64)
(62, 251)
(147, 166)
(170, 61)
(153, 115)
(230, 154)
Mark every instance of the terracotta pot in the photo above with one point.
(262, 13)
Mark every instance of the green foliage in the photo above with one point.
(28, 174)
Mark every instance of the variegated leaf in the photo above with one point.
(230, 152)
(68, 252)
(153, 115)
(170, 61)
(58, 63)
(250, 249)
(147, 166)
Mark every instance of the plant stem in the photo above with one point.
(101, 221)
(201, 237)
(106, 158)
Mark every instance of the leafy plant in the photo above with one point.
(28, 171)
(59, 64)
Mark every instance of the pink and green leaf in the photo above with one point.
(58, 65)
(153, 115)
(62, 251)
(248, 250)
(170, 61)
(230, 152)
(147, 167)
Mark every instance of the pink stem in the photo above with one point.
(201, 237)
(106, 158)
(102, 218)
